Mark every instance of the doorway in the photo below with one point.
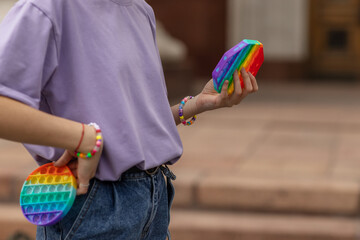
(334, 38)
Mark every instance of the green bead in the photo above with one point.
(89, 155)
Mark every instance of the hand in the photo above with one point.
(83, 169)
(209, 99)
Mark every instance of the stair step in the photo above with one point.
(219, 192)
(318, 196)
(191, 225)
(210, 225)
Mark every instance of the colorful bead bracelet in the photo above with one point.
(181, 115)
(97, 143)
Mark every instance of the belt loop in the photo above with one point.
(152, 171)
(167, 172)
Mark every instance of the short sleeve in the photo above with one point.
(28, 53)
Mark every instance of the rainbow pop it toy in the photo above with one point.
(248, 54)
(48, 194)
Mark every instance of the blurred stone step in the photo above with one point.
(12, 222)
(10, 186)
(191, 225)
(239, 193)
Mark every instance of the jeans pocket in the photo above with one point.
(171, 195)
(68, 225)
(171, 192)
(75, 219)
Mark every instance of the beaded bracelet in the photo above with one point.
(181, 115)
(97, 144)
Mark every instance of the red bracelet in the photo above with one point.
(97, 143)
(81, 138)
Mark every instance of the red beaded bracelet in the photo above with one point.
(97, 143)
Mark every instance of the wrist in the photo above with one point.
(201, 106)
(192, 106)
(187, 109)
(89, 139)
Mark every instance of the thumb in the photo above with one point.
(64, 159)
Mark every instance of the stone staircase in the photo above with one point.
(285, 169)
(232, 208)
(284, 166)
(241, 208)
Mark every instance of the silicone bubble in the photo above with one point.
(48, 194)
(247, 54)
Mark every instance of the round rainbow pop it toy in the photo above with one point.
(48, 194)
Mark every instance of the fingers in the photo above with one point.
(64, 159)
(85, 172)
(86, 169)
(211, 98)
(224, 88)
(247, 81)
(250, 86)
(237, 84)
(253, 82)
(73, 165)
(83, 186)
(238, 91)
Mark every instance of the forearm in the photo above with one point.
(22, 123)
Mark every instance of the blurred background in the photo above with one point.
(285, 163)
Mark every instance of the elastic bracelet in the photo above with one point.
(181, 115)
(97, 143)
(81, 138)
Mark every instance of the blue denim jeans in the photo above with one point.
(137, 207)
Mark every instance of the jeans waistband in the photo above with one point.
(150, 172)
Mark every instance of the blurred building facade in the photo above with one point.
(281, 25)
(294, 171)
(301, 38)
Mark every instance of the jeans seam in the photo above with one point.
(168, 235)
(153, 208)
(83, 211)
(45, 236)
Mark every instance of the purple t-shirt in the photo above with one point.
(92, 61)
